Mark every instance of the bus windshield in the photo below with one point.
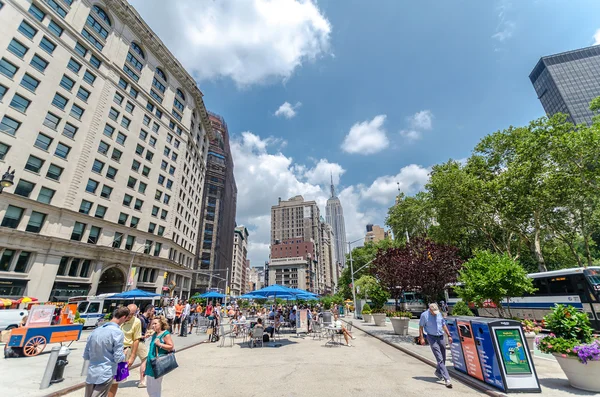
(593, 277)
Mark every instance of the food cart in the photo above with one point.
(39, 331)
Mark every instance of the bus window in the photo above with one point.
(561, 285)
(542, 286)
(582, 289)
(94, 307)
(82, 306)
(452, 293)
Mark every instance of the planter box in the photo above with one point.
(378, 319)
(530, 336)
(400, 325)
(368, 318)
(581, 376)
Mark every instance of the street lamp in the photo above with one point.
(131, 265)
(7, 179)
(352, 273)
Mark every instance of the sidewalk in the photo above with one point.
(22, 376)
(552, 379)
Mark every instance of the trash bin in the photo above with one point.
(59, 367)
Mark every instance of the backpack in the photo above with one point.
(265, 337)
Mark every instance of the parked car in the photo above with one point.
(11, 318)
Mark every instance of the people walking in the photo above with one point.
(184, 318)
(170, 314)
(434, 324)
(160, 344)
(178, 312)
(104, 350)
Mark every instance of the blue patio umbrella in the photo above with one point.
(212, 294)
(250, 296)
(135, 293)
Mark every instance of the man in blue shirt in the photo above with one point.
(104, 350)
(435, 326)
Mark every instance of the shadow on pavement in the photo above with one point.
(563, 384)
(429, 379)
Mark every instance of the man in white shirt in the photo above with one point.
(337, 323)
(170, 313)
(184, 318)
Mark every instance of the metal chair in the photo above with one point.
(257, 336)
(317, 329)
(202, 325)
(229, 335)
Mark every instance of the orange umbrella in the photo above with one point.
(27, 299)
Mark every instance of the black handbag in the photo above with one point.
(162, 365)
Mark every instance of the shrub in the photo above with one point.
(402, 314)
(461, 309)
(568, 323)
(366, 309)
(531, 326)
(77, 319)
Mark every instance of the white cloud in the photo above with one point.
(323, 171)
(422, 120)
(249, 41)
(597, 37)
(411, 135)
(287, 110)
(367, 137)
(506, 27)
(384, 189)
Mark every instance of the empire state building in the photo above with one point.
(334, 215)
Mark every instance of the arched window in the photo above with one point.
(161, 74)
(102, 14)
(138, 49)
(180, 94)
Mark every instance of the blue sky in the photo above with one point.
(376, 92)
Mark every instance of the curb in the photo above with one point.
(467, 380)
(81, 385)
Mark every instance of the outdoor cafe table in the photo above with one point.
(332, 332)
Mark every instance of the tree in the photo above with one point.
(369, 288)
(392, 267)
(410, 215)
(494, 277)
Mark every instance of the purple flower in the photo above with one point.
(589, 352)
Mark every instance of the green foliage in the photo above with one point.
(551, 344)
(461, 309)
(77, 319)
(568, 323)
(327, 302)
(366, 309)
(412, 215)
(495, 277)
(391, 313)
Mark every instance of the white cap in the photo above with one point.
(434, 308)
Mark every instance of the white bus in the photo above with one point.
(94, 308)
(578, 287)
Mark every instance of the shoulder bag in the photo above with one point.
(162, 365)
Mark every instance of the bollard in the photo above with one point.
(50, 367)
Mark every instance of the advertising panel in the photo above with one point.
(40, 316)
(512, 351)
(457, 354)
(487, 355)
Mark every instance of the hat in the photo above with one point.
(434, 307)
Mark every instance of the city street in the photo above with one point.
(300, 367)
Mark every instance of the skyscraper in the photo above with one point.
(334, 216)
(240, 256)
(567, 83)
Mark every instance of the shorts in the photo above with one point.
(177, 320)
(142, 352)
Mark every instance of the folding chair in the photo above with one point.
(202, 325)
(317, 330)
(257, 336)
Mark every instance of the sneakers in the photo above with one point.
(438, 375)
(354, 337)
(349, 345)
(448, 384)
(141, 385)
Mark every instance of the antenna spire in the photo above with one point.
(332, 187)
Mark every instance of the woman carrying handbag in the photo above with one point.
(161, 360)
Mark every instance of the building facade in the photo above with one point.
(375, 234)
(298, 219)
(328, 265)
(107, 134)
(215, 250)
(334, 216)
(567, 83)
(291, 263)
(240, 254)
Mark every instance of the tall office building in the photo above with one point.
(291, 263)
(215, 250)
(567, 83)
(375, 234)
(334, 215)
(240, 256)
(296, 218)
(328, 265)
(107, 134)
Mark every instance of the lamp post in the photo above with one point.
(352, 273)
(131, 265)
(7, 179)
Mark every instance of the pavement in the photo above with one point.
(22, 376)
(300, 367)
(552, 379)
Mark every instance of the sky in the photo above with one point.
(373, 92)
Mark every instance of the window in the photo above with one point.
(147, 247)
(106, 192)
(55, 29)
(155, 127)
(146, 120)
(102, 14)
(150, 106)
(98, 166)
(174, 156)
(17, 48)
(12, 217)
(163, 214)
(96, 26)
(89, 77)
(178, 105)
(176, 144)
(130, 73)
(122, 83)
(85, 267)
(8, 125)
(37, 62)
(73, 268)
(77, 111)
(153, 94)
(166, 199)
(7, 259)
(67, 83)
(30, 83)
(146, 171)
(125, 122)
(154, 211)
(178, 117)
(74, 66)
(133, 60)
(167, 151)
(161, 230)
(133, 92)
(118, 98)
(100, 211)
(62, 150)
(122, 218)
(149, 155)
(94, 235)
(103, 147)
(95, 42)
(161, 180)
(3, 90)
(111, 173)
(58, 9)
(36, 221)
(131, 182)
(121, 138)
(117, 240)
(20, 103)
(113, 114)
(171, 170)
(157, 249)
(70, 130)
(157, 195)
(51, 121)
(83, 94)
(135, 165)
(143, 135)
(54, 172)
(47, 45)
(161, 74)
(3, 150)
(34, 164)
(46, 195)
(22, 262)
(134, 222)
(43, 141)
(138, 50)
(81, 50)
(116, 154)
(27, 30)
(91, 186)
(37, 13)
(142, 187)
(78, 231)
(24, 188)
(129, 242)
(169, 138)
(139, 149)
(85, 207)
(163, 165)
(59, 101)
(138, 204)
(129, 107)
(127, 200)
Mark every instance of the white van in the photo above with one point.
(11, 318)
